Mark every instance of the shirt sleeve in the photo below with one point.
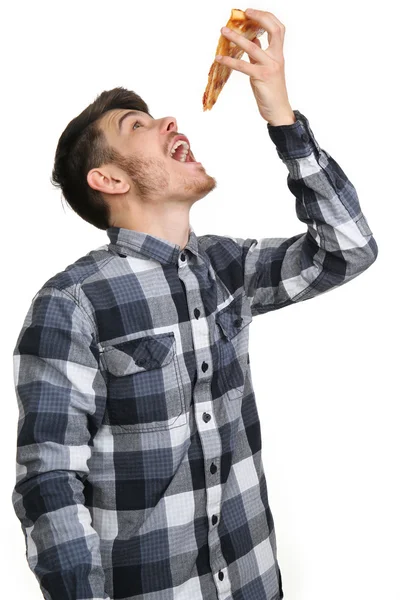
(338, 244)
(61, 396)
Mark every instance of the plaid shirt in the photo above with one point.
(139, 468)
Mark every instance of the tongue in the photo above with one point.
(178, 153)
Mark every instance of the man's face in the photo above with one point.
(146, 143)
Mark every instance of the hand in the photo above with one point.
(267, 68)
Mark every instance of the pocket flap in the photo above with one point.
(235, 316)
(141, 354)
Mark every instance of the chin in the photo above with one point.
(203, 188)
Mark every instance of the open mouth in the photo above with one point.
(182, 153)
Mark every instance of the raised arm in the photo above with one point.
(337, 246)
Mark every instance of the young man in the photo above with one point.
(139, 471)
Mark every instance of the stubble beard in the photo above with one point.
(151, 177)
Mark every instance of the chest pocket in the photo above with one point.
(145, 391)
(233, 346)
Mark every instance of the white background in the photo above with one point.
(325, 371)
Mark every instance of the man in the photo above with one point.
(139, 471)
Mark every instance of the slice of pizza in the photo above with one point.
(219, 74)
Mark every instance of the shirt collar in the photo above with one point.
(136, 243)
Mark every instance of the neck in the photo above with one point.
(171, 226)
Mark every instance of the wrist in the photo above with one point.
(286, 119)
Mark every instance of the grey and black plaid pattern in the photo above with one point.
(139, 471)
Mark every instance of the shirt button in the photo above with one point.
(206, 417)
(305, 137)
(220, 575)
(122, 255)
(196, 313)
(214, 519)
(141, 362)
(183, 257)
(238, 322)
(204, 366)
(213, 468)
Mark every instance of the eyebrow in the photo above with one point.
(128, 114)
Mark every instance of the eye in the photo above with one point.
(135, 123)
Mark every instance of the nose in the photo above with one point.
(169, 125)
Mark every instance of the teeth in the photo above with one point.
(185, 150)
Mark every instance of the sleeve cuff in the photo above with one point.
(295, 140)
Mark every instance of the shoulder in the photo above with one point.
(74, 275)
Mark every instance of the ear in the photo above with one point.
(108, 179)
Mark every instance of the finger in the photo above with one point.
(271, 24)
(252, 49)
(256, 15)
(255, 41)
(236, 64)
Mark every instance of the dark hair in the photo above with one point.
(82, 147)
